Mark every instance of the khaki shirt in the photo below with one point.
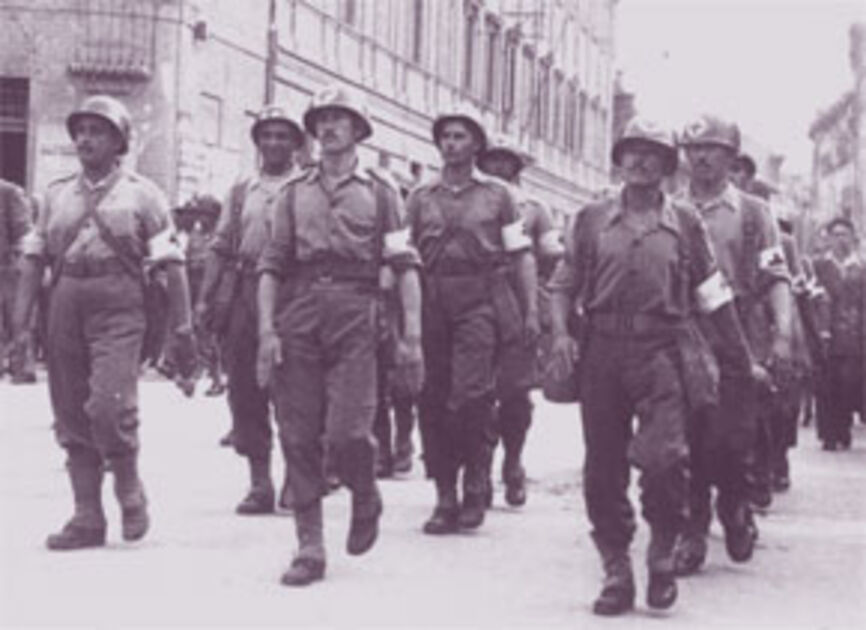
(258, 197)
(612, 268)
(131, 206)
(312, 223)
(725, 217)
(483, 208)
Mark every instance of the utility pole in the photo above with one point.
(272, 52)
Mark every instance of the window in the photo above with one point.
(416, 26)
(14, 103)
(570, 117)
(210, 119)
(581, 125)
(348, 12)
(529, 104)
(557, 129)
(509, 76)
(469, 47)
(542, 122)
(491, 65)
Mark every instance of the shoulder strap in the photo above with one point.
(127, 258)
(238, 195)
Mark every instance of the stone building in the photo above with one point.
(193, 73)
(839, 155)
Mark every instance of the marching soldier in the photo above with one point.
(517, 362)
(842, 273)
(227, 300)
(14, 224)
(723, 439)
(337, 229)
(638, 265)
(95, 230)
(470, 237)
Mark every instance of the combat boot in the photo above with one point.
(690, 553)
(662, 585)
(475, 488)
(445, 514)
(741, 532)
(617, 591)
(260, 498)
(358, 465)
(514, 477)
(309, 564)
(403, 455)
(287, 497)
(130, 494)
(87, 526)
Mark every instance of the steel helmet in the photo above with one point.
(272, 113)
(708, 129)
(501, 143)
(108, 109)
(745, 161)
(644, 130)
(465, 116)
(336, 96)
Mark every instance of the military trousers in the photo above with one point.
(325, 389)
(459, 336)
(95, 331)
(516, 375)
(722, 441)
(624, 377)
(249, 403)
(845, 396)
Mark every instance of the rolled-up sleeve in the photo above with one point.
(515, 239)
(568, 276)
(772, 266)
(398, 249)
(279, 251)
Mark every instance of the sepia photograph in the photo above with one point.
(433, 314)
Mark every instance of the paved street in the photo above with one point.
(203, 565)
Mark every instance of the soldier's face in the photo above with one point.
(457, 143)
(96, 142)
(841, 240)
(709, 162)
(276, 142)
(502, 165)
(335, 130)
(642, 163)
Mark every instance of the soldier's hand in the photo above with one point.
(762, 377)
(410, 365)
(531, 328)
(781, 349)
(270, 355)
(564, 354)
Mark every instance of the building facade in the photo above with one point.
(839, 154)
(194, 72)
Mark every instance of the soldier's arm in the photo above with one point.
(566, 283)
(34, 258)
(218, 253)
(714, 297)
(773, 267)
(549, 245)
(19, 215)
(517, 243)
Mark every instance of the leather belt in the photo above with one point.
(633, 324)
(92, 268)
(337, 271)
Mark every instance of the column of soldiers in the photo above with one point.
(673, 313)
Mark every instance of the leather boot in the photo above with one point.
(445, 514)
(403, 454)
(690, 553)
(130, 495)
(662, 585)
(309, 564)
(260, 498)
(359, 469)
(287, 497)
(87, 526)
(741, 532)
(474, 505)
(617, 591)
(514, 477)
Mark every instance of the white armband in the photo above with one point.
(514, 237)
(550, 244)
(164, 247)
(772, 258)
(713, 293)
(397, 243)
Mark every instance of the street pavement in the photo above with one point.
(202, 565)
